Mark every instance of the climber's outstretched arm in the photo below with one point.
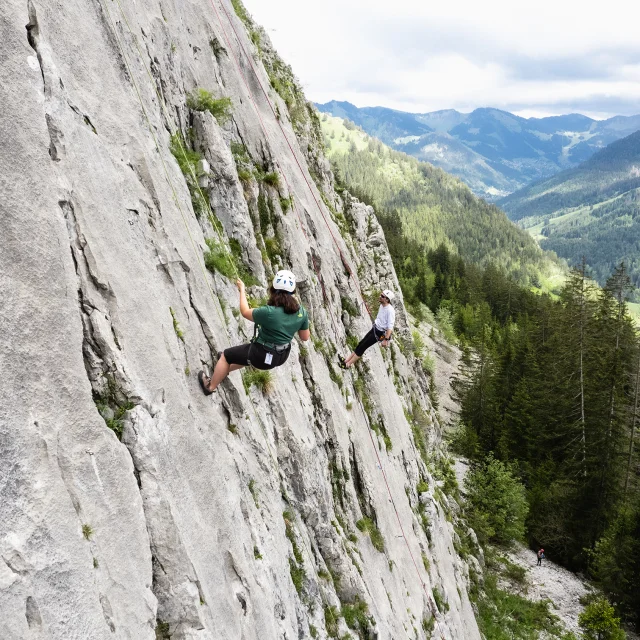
(245, 310)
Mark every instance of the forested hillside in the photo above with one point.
(591, 211)
(552, 387)
(432, 206)
(549, 392)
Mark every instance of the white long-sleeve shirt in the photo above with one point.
(386, 318)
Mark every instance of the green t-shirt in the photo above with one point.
(277, 327)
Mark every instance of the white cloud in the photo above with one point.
(549, 57)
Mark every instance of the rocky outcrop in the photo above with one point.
(131, 506)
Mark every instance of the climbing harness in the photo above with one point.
(269, 346)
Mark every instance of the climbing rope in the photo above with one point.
(284, 134)
(218, 232)
(189, 165)
(345, 262)
(272, 456)
(265, 132)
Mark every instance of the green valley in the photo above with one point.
(433, 207)
(592, 211)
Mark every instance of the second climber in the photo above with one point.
(276, 324)
(380, 331)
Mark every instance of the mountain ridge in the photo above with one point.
(493, 151)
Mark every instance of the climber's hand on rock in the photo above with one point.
(240, 284)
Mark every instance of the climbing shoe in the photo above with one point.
(204, 386)
(342, 362)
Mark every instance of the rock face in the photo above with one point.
(131, 506)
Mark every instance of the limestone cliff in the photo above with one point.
(131, 506)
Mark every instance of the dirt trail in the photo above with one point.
(552, 582)
(555, 583)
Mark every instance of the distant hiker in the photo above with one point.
(276, 325)
(540, 556)
(380, 331)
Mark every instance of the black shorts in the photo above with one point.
(255, 354)
(368, 341)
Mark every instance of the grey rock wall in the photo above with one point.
(131, 506)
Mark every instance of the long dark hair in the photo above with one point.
(284, 299)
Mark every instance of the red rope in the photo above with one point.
(406, 541)
(284, 134)
(266, 134)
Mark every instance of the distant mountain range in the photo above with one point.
(592, 210)
(492, 151)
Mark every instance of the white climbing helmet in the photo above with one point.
(387, 293)
(284, 281)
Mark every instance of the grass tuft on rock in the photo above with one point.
(272, 179)
(348, 306)
(112, 404)
(422, 486)
(188, 160)
(163, 631)
(227, 262)
(357, 617)
(286, 204)
(331, 620)
(297, 575)
(202, 100)
(176, 325)
(367, 525)
(253, 490)
(441, 603)
(218, 259)
(263, 380)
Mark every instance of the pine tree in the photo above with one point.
(575, 339)
(616, 347)
(598, 622)
(634, 421)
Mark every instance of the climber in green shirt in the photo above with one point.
(277, 323)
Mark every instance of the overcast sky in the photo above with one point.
(532, 58)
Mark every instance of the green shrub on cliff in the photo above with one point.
(202, 100)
